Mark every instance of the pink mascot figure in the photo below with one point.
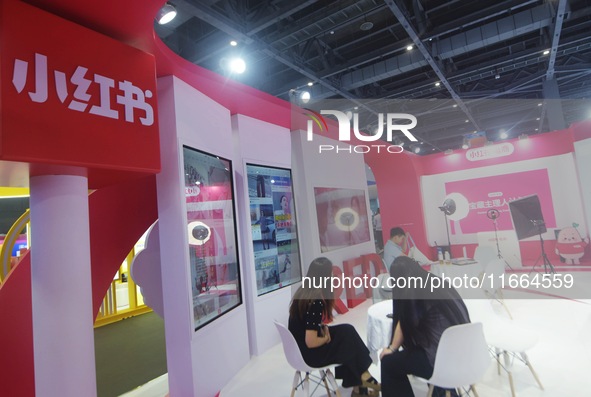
(570, 245)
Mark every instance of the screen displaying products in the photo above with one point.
(273, 227)
(211, 232)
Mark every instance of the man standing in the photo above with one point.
(377, 227)
(395, 247)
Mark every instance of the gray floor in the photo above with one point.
(129, 353)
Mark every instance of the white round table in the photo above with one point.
(379, 327)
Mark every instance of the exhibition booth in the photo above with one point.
(237, 197)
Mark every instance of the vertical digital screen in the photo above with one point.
(211, 232)
(273, 227)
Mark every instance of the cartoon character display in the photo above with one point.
(570, 245)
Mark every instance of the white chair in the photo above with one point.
(506, 339)
(484, 254)
(462, 358)
(382, 292)
(295, 359)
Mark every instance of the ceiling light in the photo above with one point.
(537, 119)
(310, 83)
(233, 43)
(546, 52)
(237, 65)
(540, 104)
(409, 47)
(466, 121)
(455, 105)
(365, 26)
(305, 96)
(437, 84)
(299, 96)
(166, 14)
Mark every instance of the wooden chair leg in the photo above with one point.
(323, 376)
(297, 378)
(307, 385)
(430, 392)
(509, 374)
(531, 368)
(333, 382)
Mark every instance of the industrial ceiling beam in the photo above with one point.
(400, 14)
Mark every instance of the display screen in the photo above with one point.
(273, 227)
(211, 232)
(342, 217)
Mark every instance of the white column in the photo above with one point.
(63, 336)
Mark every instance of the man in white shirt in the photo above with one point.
(395, 246)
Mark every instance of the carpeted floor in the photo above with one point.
(129, 353)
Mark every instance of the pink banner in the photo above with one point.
(495, 192)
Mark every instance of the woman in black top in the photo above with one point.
(321, 345)
(420, 317)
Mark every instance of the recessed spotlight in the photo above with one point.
(166, 14)
(455, 105)
(546, 52)
(237, 65)
(409, 47)
(310, 83)
(540, 104)
(466, 121)
(233, 43)
(332, 32)
(537, 119)
(356, 107)
(437, 84)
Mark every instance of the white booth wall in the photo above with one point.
(564, 186)
(199, 362)
(327, 169)
(261, 143)
(583, 159)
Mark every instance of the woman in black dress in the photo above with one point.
(322, 345)
(420, 317)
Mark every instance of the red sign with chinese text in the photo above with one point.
(71, 96)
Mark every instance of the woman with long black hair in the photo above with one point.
(322, 345)
(421, 314)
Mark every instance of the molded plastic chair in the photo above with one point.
(506, 339)
(484, 254)
(462, 358)
(295, 359)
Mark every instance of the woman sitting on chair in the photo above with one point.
(420, 317)
(321, 345)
